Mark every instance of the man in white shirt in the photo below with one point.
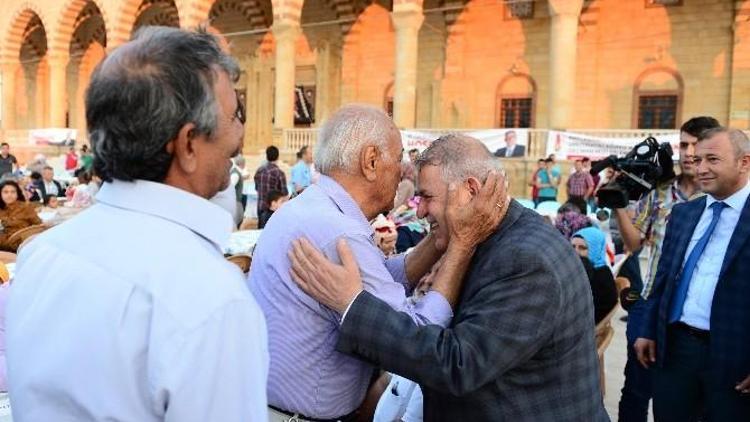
(149, 322)
(697, 319)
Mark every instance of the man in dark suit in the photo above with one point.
(511, 149)
(48, 186)
(696, 328)
(520, 346)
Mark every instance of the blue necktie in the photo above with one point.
(678, 302)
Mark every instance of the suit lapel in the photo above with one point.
(739, 238)
(693, 212)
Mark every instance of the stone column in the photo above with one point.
(407, 19)
(58, 98)
(563, 45)
(285, 35)
(9, 94)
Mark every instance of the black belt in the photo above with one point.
(347, 418)
(692, 331)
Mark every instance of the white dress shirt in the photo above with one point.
(130, 312)
(697, 309)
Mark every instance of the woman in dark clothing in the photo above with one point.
(590, 244)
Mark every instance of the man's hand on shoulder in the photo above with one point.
(335, 286)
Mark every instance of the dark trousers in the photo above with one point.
(636, 392)
(684, 390)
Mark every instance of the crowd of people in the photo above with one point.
(31, 190)
(381, 288)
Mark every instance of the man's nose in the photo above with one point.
(690, 150)
(421, 209)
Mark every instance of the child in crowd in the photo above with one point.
(275, 200)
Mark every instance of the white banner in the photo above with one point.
(496, 140)
(570, 145)
(59, 137)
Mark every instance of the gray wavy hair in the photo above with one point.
(352, 128)
(459, 157)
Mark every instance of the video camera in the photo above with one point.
(646, 165)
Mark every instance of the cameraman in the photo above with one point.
(648, 228)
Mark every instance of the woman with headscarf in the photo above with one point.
(590, 244)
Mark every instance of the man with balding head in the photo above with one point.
(520, 346)
(358, 155)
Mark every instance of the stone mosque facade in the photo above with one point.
(558, 64)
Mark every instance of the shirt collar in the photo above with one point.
(176, 205)
(736, 201)
(344, 201)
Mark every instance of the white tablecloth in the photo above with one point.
(242, 242)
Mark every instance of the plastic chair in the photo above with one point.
(526, 203)
(548, 208)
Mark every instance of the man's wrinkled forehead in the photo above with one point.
(430, 181)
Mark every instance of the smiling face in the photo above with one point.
(719, 169)
(434, 198)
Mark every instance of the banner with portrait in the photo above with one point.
(52, 136)
(496, 140)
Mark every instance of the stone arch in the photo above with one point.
(519, 88)
(368, 56)
(157, 12)
(71, 18)
(124, 23)
(15, 36)
(257, 14)
(658, 82)
(468, 89)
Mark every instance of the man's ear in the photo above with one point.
(369, 161)
(473, 185)
(744, 162)
(183, 149)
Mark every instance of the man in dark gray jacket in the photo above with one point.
(521, 343)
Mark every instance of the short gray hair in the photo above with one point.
(459, 157)
(143, 93)
(738, 138)
(349, 130)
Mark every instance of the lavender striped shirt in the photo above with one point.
(307, 375)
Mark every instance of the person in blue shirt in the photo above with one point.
(547, 182)
(301, 172)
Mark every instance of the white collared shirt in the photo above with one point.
(51, 188)
(130, 312)
(697, 309)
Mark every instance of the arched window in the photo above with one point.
(657, 99)
(516, 98)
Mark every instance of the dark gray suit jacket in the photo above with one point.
(521, 344)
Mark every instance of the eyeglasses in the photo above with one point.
(239, 113)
